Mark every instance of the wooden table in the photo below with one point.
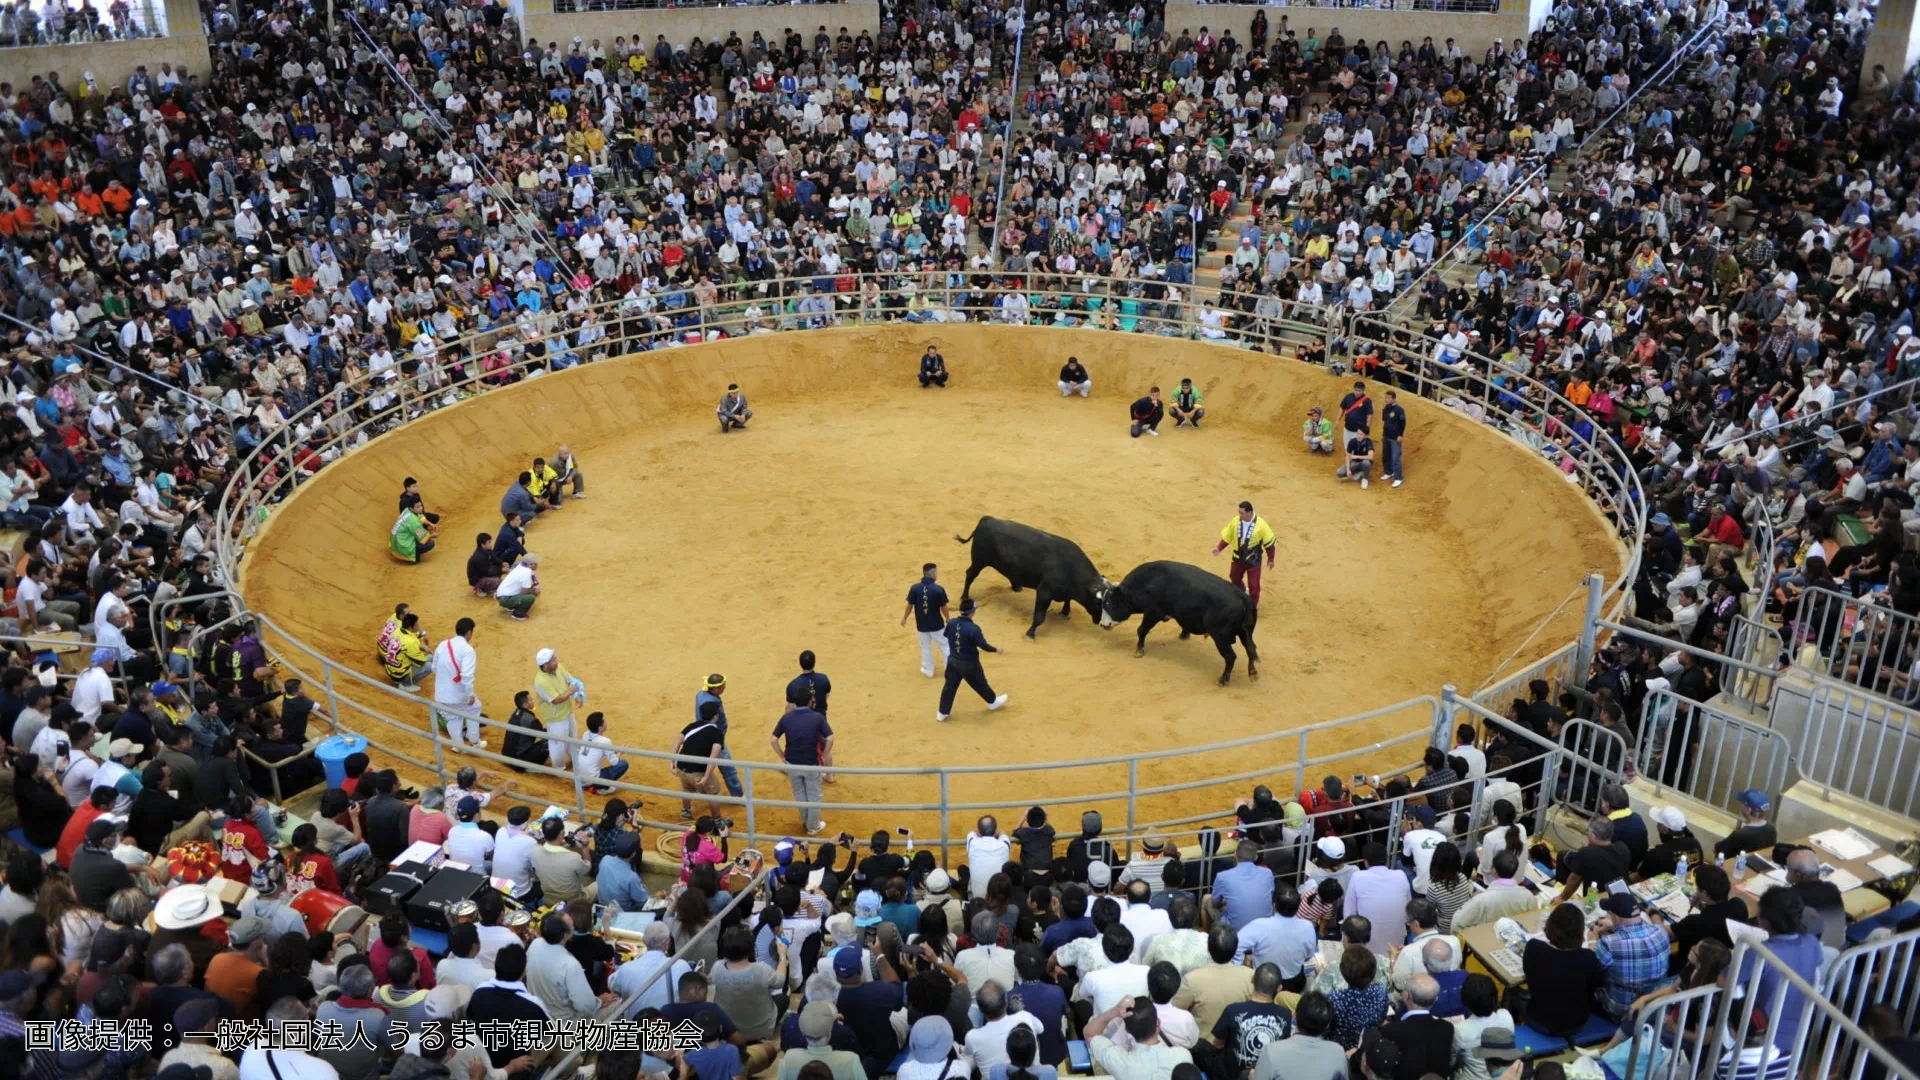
(1860, 903)
(1482, 942)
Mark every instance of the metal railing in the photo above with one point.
(549, 342)
(1704, 1032)
(569, 1064)
(1860, 641)
(1707, 754)
(1860, 746)
(1756, 645)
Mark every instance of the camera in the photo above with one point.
(725, 823)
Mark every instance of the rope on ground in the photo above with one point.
(1578, 590)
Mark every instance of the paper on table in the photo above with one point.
(1843, 843)
(420, 851)
(1889, 865)
(1843, 880)
(1755, 886)
(1673, 905)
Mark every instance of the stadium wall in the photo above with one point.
(1474, 32)
(682, 25)
(112, 62)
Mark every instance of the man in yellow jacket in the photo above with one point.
(1249, 536)
(556, 694)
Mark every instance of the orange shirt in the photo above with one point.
(234, 976)
(75, 833)
(89, 203)
(117, 197)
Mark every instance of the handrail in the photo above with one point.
(1886, 775)
(1713, 772)
(1879, 638)
(478, 361)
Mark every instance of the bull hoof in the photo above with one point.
(1018, 588)
(1030, 636)
(1252, 675)
(1225, 680)
(1139, 652)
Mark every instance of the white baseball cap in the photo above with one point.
(1670, 818)
(543, 657)
(1332, 847)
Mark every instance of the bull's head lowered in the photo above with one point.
(1111, 606)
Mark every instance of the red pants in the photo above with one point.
(1251, 586)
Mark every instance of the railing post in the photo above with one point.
(1473, 810)
(439, 748)
(1549, 778)
(333, 699)
(1395, 810)
(1443, 716)
(1300, 767)
(579, 789)
(1590, 625)
(944, 833)
(746, 792)
(1133, 788)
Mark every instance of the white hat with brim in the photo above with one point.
(185, 907)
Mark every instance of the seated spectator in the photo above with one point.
(1755, 832)
(411, 537)
(1425, 1040)
(1148, 1056)
(816, 1025)
(1562, 974)
(1632, 948)
(485, 568)
(1309, 1054)
(1246, 1028)
(1362, 1002)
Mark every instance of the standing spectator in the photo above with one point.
(1393, 434)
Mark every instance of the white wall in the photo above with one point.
(1473, 32)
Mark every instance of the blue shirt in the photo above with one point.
(928, 599)
(1064, 931)
(720, 718)
(1247, 893)
(720, 1062)
(1047, 1003)
(1284, 941)
(619, 885)
(806, 731)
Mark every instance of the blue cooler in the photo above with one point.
(333, 752)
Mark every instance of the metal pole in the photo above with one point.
(1549, 776)
(1443, 716)
(333, 699)
(1590, 625)
(943, 818)
(439, 750)
(746, 792)
(1133, 786)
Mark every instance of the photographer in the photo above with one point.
(561, 863)
(705, 845)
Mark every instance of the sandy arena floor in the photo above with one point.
(699, 553)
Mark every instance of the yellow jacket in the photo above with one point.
(542, 476)
(1261, 541)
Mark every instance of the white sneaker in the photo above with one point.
(579, 494)
(939, 718)
(1397, 483)
(1363, 483)
(817, 829)
(928, 672)
(1155, 432)
(994, 705)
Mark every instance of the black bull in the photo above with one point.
(1052, 566)
(1200, 602)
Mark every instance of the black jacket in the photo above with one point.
(97, 875)
(520, 742)
(1426, 1045)
(505, 1004)
(156, 813)
(218, 781)
(384, 821)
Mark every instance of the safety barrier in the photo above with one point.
(568, 1065)
(1706, 753)
(1757, 646)
(1861, 746)
(397, 724)
(1859, 640)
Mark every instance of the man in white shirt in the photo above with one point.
(1464, 749)
(1417, 841)
(462, 965)
(987, 852)
(93, 690)
(990, 961)
(987, 1043)
(1423, 920)
(78, 512)
(513, 852)
(454, 666)
(594, 758)
(77, 782)
(519, 589)
(1144, 921)
(467, 842)
(1121, 980)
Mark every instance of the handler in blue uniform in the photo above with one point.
(963, 664)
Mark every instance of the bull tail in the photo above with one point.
(967, 539)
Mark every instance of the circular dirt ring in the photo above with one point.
(700, 552)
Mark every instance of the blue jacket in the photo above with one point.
(517, 500)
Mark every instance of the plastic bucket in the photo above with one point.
(333, 752)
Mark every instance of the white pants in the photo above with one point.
(560, 754)
(929, 641)
(455, 723)
(1067, 388)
